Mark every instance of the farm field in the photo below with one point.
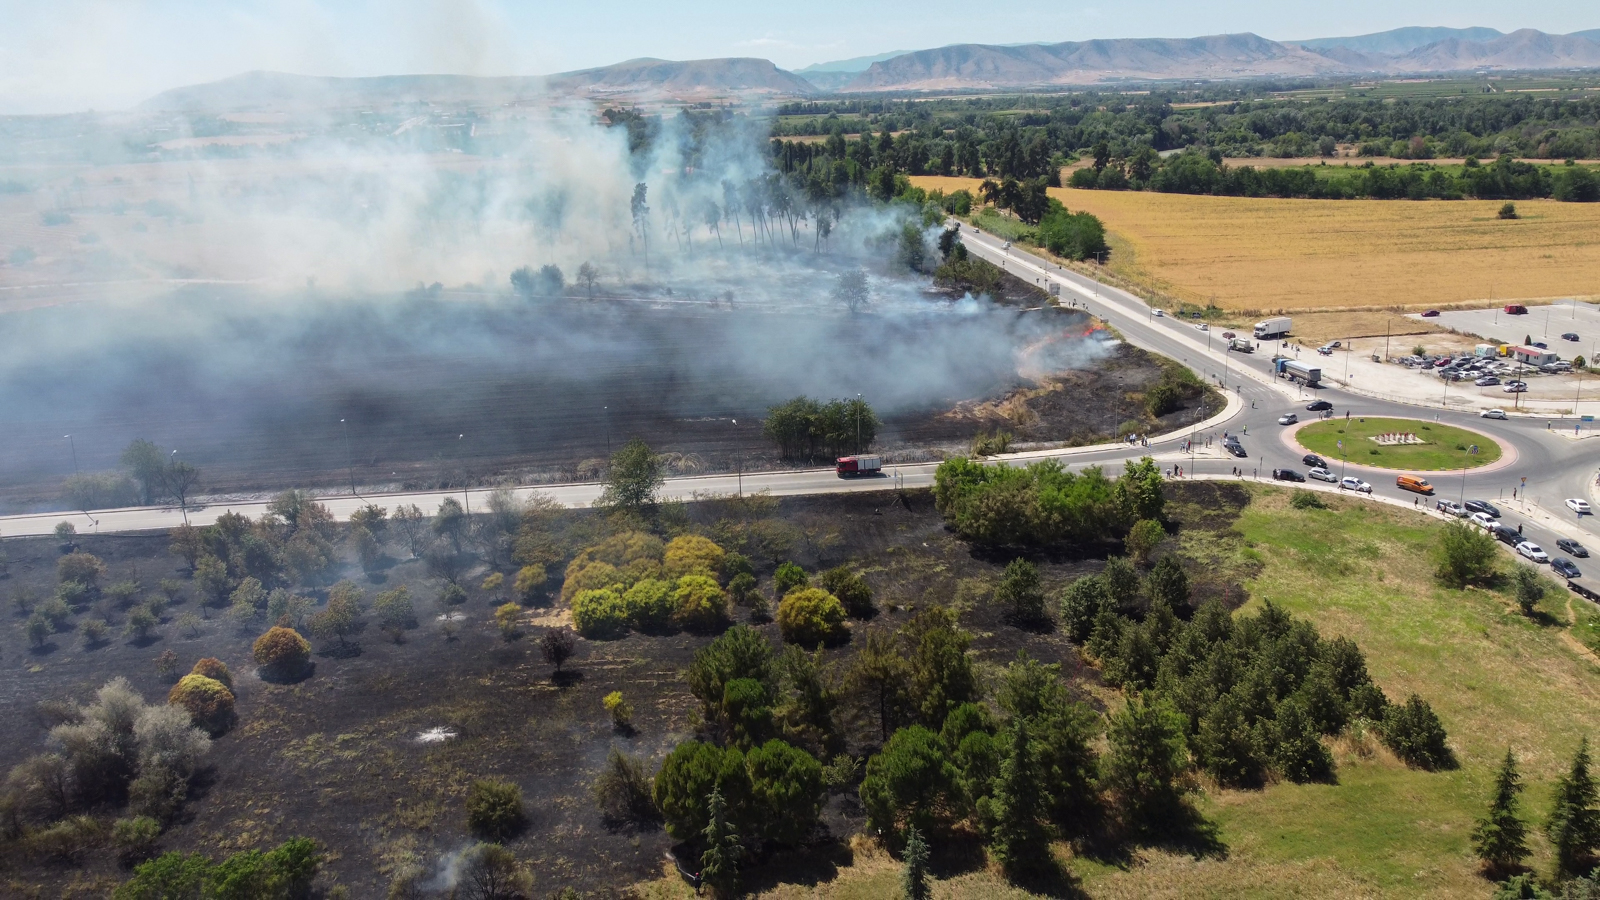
(1438, 454)
(1258, 255)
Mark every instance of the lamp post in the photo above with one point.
(349, 457)
(605, 412)
(466, 504)
(858, 424)
(738, 455)
(182, 504)
(74, 448)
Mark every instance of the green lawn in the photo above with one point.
(1446, 446)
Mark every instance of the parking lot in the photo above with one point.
(1542, 323)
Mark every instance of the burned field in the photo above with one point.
(447, 388)
(343, 754)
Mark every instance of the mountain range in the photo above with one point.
(1403, 51)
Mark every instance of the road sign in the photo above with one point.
(1473, 450)
(1524, 481)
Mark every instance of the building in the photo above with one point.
(1533, 356)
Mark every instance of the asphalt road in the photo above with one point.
(1554, 467)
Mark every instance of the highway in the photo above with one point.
(1554, 467)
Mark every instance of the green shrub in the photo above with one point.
(740, 652)
(650, 606)
(494, 809)
(1020, 592)
(851, 589)
(1465, 555)
(208, 702)
(214, 669)
(1415, 735)
(1306, 500)
(910, 782)
(786, 790)
(599, 614)
(527, 583)
(699, 604)
(810, 616)
(692, 555)
(788, 577)
(135, 839)
(747, 711)
(686, 780)
(624, 792)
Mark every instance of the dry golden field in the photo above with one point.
(1263, 255)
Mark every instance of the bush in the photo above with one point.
(788, 577)
(506, 617)
(282, 652)
(786, 789)
(208, 702)
(1143, 537)
(394, 610)
(810, 616)
(1306, 500)
(910, 782)
(1020, 592)
(67, 839)
(494, 808)
(692, 555)
(621, 711)
(650, 605)
(215, 669)
(1465, 555)
(851, 589)
(135, 839)
(1530, 588)
(625, 790)
(94, 631)
(557, 647)
(599, 614)
(140, 623)
(688, 776)
(698, 604)
(527, 583)
(1415, 735)
(452, 594)
(81, 567)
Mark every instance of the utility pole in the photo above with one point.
(858, 424)
(182, 504)
(349, 457)
(466, 504)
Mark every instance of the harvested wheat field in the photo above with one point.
(1259, 254)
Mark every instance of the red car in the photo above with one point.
(1432, 313)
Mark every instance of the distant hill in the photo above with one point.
(854, 64)
(1524, 49)
(1400, 40)
(1089, 62)
(634, 78)
(1592, 34)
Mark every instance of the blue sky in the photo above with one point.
(64, 55)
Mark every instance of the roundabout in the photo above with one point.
(1414, 445)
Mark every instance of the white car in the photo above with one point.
(1581, 507)
(1322, 474)
(1288, 419)
(1483, 520)
(1492, 414)
(1533, 551)
(1203, 327)
(1160, 314)
(1352, 483)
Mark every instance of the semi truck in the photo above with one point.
(1273, 328)
(856, 466)
(1585, 587)
(1294, 370)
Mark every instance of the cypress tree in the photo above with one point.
(1500, 839)
(915, 882)
(1018, 839)
(1574, 823)
(719, 864)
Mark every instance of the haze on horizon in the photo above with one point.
(74, 55)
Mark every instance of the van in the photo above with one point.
(1413, 483)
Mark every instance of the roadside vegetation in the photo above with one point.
(1445, 447)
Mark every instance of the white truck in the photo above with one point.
(1272, 329)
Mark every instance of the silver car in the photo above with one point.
(1352, 483)
(1322, 474)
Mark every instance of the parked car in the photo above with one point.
(1450, 507)
(1492, 414)
(1483, 506)
(1194, 315)
(1516, 387)
(1568, 545)
(1570, 336)
(1233, 446)
(1506, 534)
(1325, 351)
(1487, 381)
(1160, 314)
(1314, 461)
(1322, 474)
(1287, 475)
(1431, 314)
(1319, 405)
(1581, 507)
(1564, 567)
(1483, 520)
(1203, 327)
(1541, 345)
(1288, 419)
(1533, 551)
(1352, 483)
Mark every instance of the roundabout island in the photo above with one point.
(1402, 444)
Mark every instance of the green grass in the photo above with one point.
(1008, 228)
(1446, 446)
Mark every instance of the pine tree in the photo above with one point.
(1500, 839)
(1018, 840)
(915, 883)
(719, 864)
(1574, 823)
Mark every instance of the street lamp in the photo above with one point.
(74, 448)
(858, 424)
(183, 505)
(738, 455)
(466, 504)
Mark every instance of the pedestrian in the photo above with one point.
(1513, 493)
(1519, 529)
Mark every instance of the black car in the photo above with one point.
(1570, 336)
(1287, 475)
(1507, 534)
(1482, 506)
(1319, 405)
(1314, 461)
(1568, 545)
(1233, 446)
(1565, 568)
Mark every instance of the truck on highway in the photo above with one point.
(1241, 345)
(1273, 328)
(1585, 587)
(856, 466)
(1297, 371)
